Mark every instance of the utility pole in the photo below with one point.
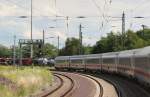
(123, 30)
(43, 36)
(20, 54)
(58, 46)
(143, 26)
(80, 39)
(31, 55)
(67, 19)
(14, 51)
(43, 43)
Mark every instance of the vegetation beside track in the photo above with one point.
(23, 81)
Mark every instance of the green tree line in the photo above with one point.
(111, 43)
(47, 51)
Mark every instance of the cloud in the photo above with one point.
(5, 23)
(10, 10)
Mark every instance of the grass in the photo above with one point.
(27, 79)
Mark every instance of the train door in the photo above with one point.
(69, 63)
(84, 58)
(116, 61)
(100, 62)
(132, 68)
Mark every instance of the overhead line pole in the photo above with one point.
(43, 43)
(143, 26)
(80, 38)
(14, 51)
(58, 44)
(31, 55)
(123, 30)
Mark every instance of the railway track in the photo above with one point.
(66, 91)
(93, 80)
(78, 85)
(125, 87)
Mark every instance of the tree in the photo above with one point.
(38, 51)
(87, 49)
(5, 52)
(71, 47)
(145, 35)
(113, 42)
(106, 44)
(133, 40)
(50, 50)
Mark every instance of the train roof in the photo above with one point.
(110, 54)
(94, 56)
(76, 57)
(127, 53)
(62, 58)
(143, 52)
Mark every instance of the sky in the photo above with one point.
(100, 17)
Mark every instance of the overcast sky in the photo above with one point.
(97, 23)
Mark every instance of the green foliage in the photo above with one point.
(117, 42)
(145, 35)
(50, 50)
(71, 48)
(133, 41)
(87, 49)
(4, 51)
(27, 79)
(107, 44)
(112, 42)
(47, 51)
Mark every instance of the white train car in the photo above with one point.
(135, 63)
(62, 62)
(109, 62)
(77, 62)
(93, 62)
(126, 62)
(142, 65)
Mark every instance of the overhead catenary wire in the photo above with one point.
(101, 13)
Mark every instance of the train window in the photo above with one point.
(77, 61)
(109, 61)
(61, 61)
(92, 61)
(125, 61)
(142, 62)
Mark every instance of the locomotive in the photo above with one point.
(130, 63)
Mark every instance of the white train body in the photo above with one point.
(134, 63)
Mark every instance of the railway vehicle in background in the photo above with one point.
(3, 61)
(44, 61)
(27, 61)
(9, 61)
(131, 63)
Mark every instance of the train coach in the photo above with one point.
(9, 61)
(131, 63)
